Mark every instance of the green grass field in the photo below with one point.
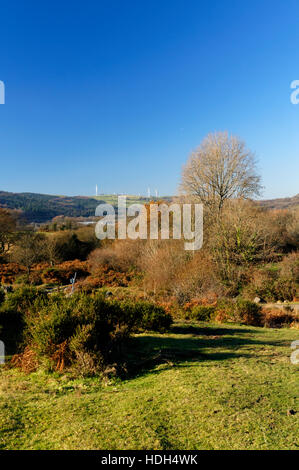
(113, 199)
(201, 386)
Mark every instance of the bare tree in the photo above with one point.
(7, 230)
(51, 249)
(29, 250)
(220, 168)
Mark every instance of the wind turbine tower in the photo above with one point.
(96, 189)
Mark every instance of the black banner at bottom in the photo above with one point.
(138, 459)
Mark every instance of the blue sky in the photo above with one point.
(119, 92)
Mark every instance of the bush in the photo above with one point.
(248, 312)
(152, 317)
(105, 276)
(285, 289)
(290, 266)
(68, 247)
(275, 282)
(240, 310)
(276, 318)
(202, 312)
(22, 279)
(62, 273)
(9, 271)
(22, 299)
(120, 256)
(81, 323)
(2, 296)
(12, 314)
(225, 311)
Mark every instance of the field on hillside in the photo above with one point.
(113, 199)
(201, 386)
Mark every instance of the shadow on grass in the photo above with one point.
(190, 344)
(208, 330)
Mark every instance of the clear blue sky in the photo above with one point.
(118, 92)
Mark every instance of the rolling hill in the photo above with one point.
(282, 203)
(41, 208)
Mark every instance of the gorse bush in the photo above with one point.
(239, 310)
(248, 312)
(152, 317)
(104, 277)
(203, 312)
(85, 332)
(22, 298)
(62, 273)
(13, 311)
(225, 311)
(64, 327)
(2, 296)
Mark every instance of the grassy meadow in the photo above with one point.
(200, 386)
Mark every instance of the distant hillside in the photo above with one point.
(283, 203)
(42, 208)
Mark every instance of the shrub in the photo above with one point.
(22, 299)
(290, 266)
(275, 282)
(105, 277)
(66, 330)
(62, 273)
(203, 312)
(276, 318)
(225, 311)
(152, 317)
(9, 271)
(22, 279)
(142, 315)
(248, 312)
(2, 296)
(240, 310)
(69, 247)
(85, 331)
(12, 314)
(285, 289)
(189, 306)
(121, 256)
